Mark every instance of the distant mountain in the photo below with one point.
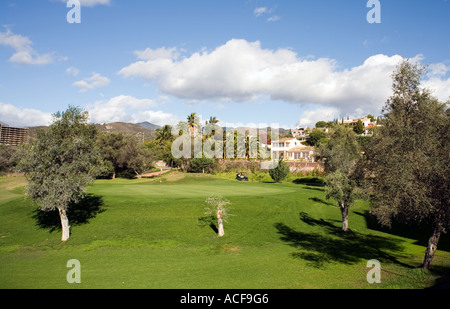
(4, 124)
(115, 127)
(149, 125)
(128, 128)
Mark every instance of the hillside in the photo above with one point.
(128, 128)
(114, 127)
(149, 125)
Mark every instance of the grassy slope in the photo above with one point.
(152, 234)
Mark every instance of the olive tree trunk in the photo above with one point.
(431, 248)
(344, 212)
(64, 224)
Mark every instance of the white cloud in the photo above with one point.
(311, 117)
(128, 109)
(72, 71)
(23, 117)
(241, 71)
(155, 62)
(160, 53)
(90, 83)
(438, 69)
(24, 53)
(440, 88)
(260, 10)
(274, 18)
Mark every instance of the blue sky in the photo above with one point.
(242, 61)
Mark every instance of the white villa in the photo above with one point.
(292, 149)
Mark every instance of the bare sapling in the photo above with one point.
(217, 205)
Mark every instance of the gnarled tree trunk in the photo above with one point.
(344, 213)
(64, 224)
(431, 248)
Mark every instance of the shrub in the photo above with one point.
(280, 171)
(201, 165)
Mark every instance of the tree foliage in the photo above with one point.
(201, 165)
(340, 156)
(110, 145)
(125, 154)
(316, 137)
(62, 162)
(407, 166)
(280, 171)
(8, 158)
(359, 127)
(321, 124)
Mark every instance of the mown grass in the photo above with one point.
(153, 233)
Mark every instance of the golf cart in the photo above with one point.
(242, 177)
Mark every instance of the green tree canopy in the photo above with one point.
(340, 156)
(321, 124)
(280, 171)
(61, 162)
(407, 166)
(359, 127)
(315, 137)
(164, 134)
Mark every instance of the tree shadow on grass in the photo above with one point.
(419, 232)
(208, 221)
(319, 200)
(78, 213)
(335, 246)
(314, 181)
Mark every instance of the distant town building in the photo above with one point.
(292, 149)
(365, 121)
(300, 133)
(13, 135)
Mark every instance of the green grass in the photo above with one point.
(153, 233)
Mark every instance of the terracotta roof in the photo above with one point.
(284, 140)
(301, 149)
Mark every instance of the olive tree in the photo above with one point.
(340, 156)
(406, 167)
(61, 162)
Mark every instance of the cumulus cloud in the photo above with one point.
(240, 71)
(90, 83)
(23, 117)
(24, 53)
(310, 117)
(440, 88)
(128, 109)
(153, 64)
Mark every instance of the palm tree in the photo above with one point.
(193, 123)
(212, 120)
(164, 134)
